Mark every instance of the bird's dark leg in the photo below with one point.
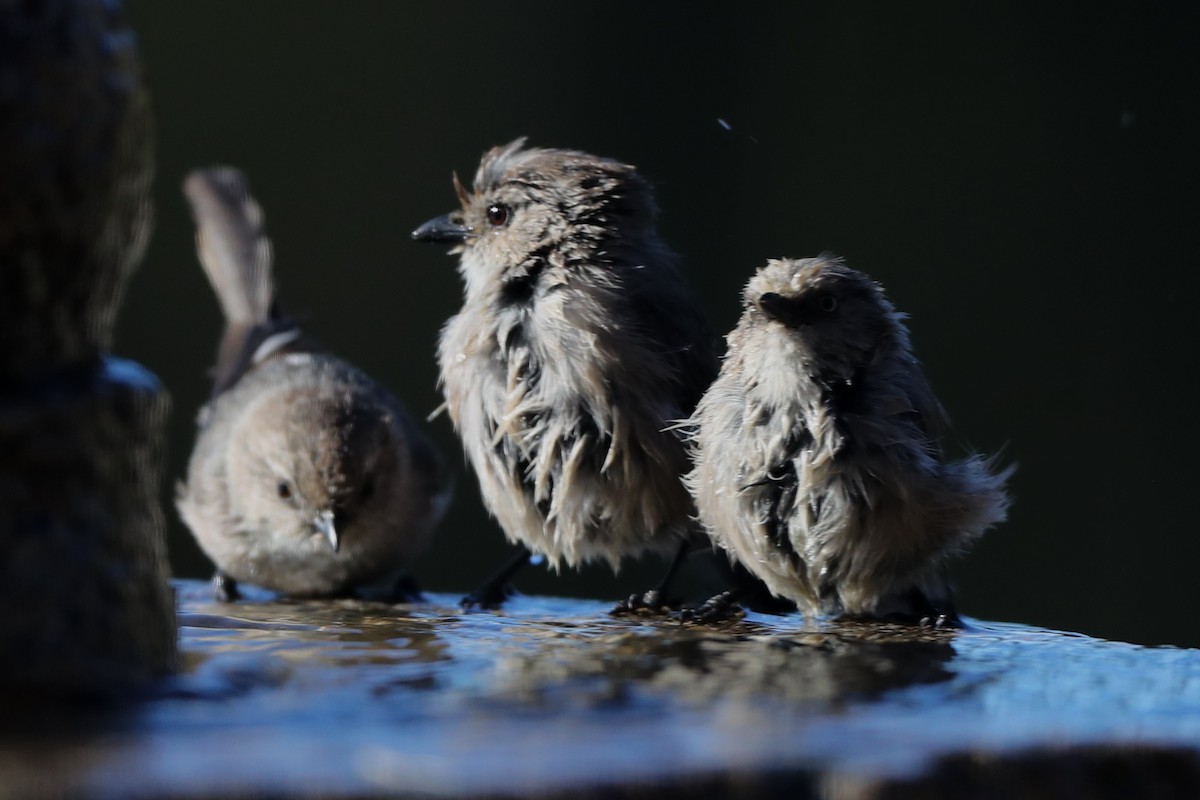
(224, 588)
(745, 590)
(915, 608)
(754, 594)
(496, 589)
(929, 614)
(654, 600)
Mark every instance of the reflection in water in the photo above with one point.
(543, 656)
(694, 669)
(313, 645)
(359, 698)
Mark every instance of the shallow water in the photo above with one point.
(357, 698)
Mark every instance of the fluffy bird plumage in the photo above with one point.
(817, 457)
(307, 477)
(576, 347)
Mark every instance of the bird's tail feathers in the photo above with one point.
(232, 244)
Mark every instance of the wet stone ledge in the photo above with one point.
(553, 698)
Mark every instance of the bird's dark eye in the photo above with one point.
(497, 214)
(285, 490)
(828, 303)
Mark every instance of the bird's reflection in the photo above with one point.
(838, 665)
(370, 647)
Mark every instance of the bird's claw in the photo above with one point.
(646, 604)
(487, 598)
(720, 608)
(940, 622)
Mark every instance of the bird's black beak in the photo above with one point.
(781, 309)
(448, 229)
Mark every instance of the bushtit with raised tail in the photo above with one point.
(817, 459)
(307, 478)
(576, 349)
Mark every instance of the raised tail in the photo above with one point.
(232, 244)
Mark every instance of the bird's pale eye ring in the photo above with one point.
(285, 490)
(828, 303)
(497, 215)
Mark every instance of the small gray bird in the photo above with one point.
(576, 348)
(307, 478)
(817, 463)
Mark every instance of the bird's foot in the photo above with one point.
(940, 621)
(720, 608)
(498, 588)
(225, 588)
(926, 613)
(646, 604)
(488, 597)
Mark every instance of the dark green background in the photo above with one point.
(1021, 177)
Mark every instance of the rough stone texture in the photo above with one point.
(75, 173)
(84, 596)
(84, 599)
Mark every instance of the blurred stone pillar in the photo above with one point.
(85, 602)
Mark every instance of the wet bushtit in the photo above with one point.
(576, 349)
(307, 478)
(816, 449)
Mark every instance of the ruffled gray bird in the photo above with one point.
(307, 477)
(576, 348)
(817, 462)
